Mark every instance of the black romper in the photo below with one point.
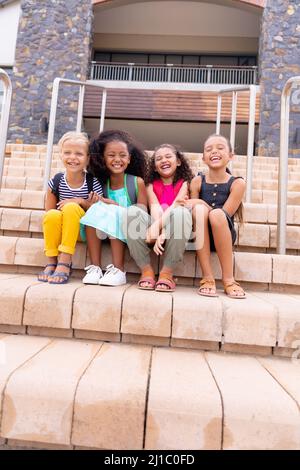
(215, 195)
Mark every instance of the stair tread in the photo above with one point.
(94, 394)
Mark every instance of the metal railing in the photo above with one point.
(52, 117)
(251, 128)
(283, 163)
(174, 73)
(4, 116)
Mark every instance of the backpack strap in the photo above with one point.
(56, 180)
(89, 182)
(132, 188)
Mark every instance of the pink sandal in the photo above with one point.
(165, 280)
(147, 276)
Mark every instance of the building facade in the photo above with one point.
(61, 39)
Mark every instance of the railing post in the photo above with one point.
(250, 147)
(169, 72)
(283, 164)
(80, 108)
(92, 73)
(103, 109)
(4, 118)
(209, 69)
(131, 64)
(233, 119)
(51, 129)
(219, 111)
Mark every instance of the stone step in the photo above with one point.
(38, 171)
(32, 160)
(265, 323)
(28, 223)
(17, 253)
(11, 200)
(266, 196)
(72, 394)
(32, 178)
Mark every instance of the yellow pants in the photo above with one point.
(61, 229)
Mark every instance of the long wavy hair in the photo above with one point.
(97, 167)
(182, 172)
(240, 210)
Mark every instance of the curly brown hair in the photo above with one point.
(182, 172)
(97, 167)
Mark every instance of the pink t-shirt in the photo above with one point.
(166, 193)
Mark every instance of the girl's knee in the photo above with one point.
(71, 207)
(53, 215)
(200, 214)
(217, 217)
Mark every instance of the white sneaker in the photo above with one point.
(113, 277)
(93, 275)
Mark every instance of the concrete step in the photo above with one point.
(17, 253)
(71, 394)
(31, 177)
(28, 223)
(265, 323)
(265, 196)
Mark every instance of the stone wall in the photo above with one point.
(54, 39)
(279, 60)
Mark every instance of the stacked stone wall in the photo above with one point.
(279, 60)
(54, 39)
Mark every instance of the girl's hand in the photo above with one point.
(158, 247)
(153, 232)
(92, 199)
(181, 202)
(78, 200)
(191, 203)
(108, 201)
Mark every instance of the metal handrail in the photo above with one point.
(283, 163)
(173, 73)
(251, 127)
(4, 118)
(57, 81)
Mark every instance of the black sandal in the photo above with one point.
(63, 276)
(44, 273)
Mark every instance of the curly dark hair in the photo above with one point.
(97, 167)
(182, 172)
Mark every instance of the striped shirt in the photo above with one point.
(65, 192)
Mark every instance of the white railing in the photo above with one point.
(174, 73)
(283, 162)
(4, 116)
(251, 127)
(52, 117)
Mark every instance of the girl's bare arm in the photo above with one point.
(236, 196)
(155, 208)
(142, 193)
(51, 200)
(195, 188)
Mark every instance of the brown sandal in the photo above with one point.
(207, 284)
(231, 287)
(147, 276)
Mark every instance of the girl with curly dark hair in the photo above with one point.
(118, 161)
(167, 178)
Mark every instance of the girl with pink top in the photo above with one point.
(170, 225)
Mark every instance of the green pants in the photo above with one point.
(178, 230)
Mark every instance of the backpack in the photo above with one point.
(131, 187)
(57, 178)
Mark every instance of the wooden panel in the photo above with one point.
(165, 105)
